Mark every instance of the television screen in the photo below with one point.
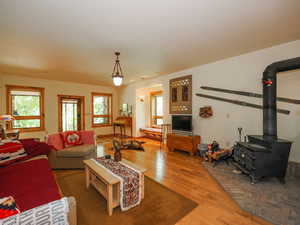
(182, 122)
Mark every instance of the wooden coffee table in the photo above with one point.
(106, 183)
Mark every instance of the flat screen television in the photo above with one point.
(182, 123)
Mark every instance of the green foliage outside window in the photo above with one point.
(101, 108)
(26, 123)
(100, 105)
(26, 105)
(101, 120)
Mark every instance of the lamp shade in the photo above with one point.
(117, 81)
(6, 117)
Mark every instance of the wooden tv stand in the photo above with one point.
(181, 142)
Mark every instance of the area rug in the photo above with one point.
(269, 199)
(161, 206)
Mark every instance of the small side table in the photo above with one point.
(218, 156)
(122, 128)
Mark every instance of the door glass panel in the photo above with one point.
(69, 114)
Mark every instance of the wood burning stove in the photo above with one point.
(266, 155)
(260, 157)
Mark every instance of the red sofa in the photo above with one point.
(31, 182)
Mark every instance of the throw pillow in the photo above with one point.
(35, 148)
(71, 138)
(29, 144)
(11, 152)
(8, 207)
(55, 141)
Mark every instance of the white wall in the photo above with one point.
(52, 89)
(239, 73)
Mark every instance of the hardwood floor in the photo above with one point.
(185, 175)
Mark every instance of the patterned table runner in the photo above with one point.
(130, 181)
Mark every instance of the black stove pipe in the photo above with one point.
(270, 94)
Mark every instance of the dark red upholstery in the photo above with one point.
(35, 148)
(30, 183)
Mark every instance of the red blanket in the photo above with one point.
(10, 147)
(30, 183)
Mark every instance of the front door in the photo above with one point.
(70, 113)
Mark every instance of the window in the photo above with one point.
(101, 109)
(156, 108)
(26, 104)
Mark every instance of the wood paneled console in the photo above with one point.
(182, 142)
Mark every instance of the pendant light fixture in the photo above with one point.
(117, 74)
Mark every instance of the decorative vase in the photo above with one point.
(117, 149)
(117, 156)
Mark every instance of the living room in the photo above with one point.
(111, 109)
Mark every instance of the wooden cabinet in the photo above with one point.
(181, 142)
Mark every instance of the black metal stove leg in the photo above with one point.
(215, 163)
(227, 162)
(253, 180)
(281, 180)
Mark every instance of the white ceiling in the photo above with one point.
(75, 40)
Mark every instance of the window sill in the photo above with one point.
(27, 130)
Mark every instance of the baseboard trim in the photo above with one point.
(112, 135)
